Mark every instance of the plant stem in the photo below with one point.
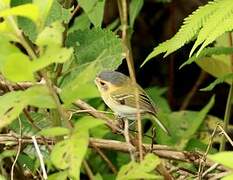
(226, 117)
(33, 55)
(123, 11)
(229, 101)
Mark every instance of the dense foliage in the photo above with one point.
(50, 54)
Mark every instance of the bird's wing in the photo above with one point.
(128, 98)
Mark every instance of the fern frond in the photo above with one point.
(222, 13)
(226, 25)
(221, 79)
(191, 26)
(207, 52)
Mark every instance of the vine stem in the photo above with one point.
(123, 11)
(229, 101)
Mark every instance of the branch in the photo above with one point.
(162, 151)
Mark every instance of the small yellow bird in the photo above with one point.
(118, 92)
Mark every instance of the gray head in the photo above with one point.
(114, 77)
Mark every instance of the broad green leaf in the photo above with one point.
(94, 9)
(7, 153)
(144, 170)
(11, 104)
(51, 35)
(52, 55)
(88, 122)
(6, 48)
(182, 125)
(95, 44)
(30, 11)
(57, 13)
(17, 68)
(81, 22)
(69, 154)
(156, 94)
(39, 96)
(44, 7)
(228, 177)
(95, 50)
(6, 2)
(134, 9)
(224, 158)
(2, 177)
(28, 27)
(218, 81)
(62, 175)
(39, 119)
(208, 52)
(54, 131)
(215, 67)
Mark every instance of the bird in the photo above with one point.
(118, 92)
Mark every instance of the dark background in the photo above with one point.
(157, 22)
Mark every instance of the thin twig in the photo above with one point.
(194, 89)
(88, 170)
(229, 101)
(203, 159)
(19, 149)
(226, 135)
(109, 122)
(127, 139)
(105, 158)
(123, 10)
(40, 156)
(211, 168)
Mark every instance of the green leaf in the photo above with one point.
(54, 131)
(144, 170)
(208, 52)
(30, 11)
(52, 55)
(7, 153)
(6, 48)
(156, 94)
(39, 119)
(28, 27)
(191, 26)
(44, 8)
(69, 154)
(94, 9)
(228, 177)
(88, 122)
(218, 81)
(57, 13)
(81, 22)
(95, 50)
(17, 68)
(182, 126)
(134, 9)
(224, 158)
(11, 104)
(39, 96)
(51, 35)
(216, 67)
(211, 29)
(62, 175)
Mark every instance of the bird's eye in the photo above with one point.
(102, 83)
